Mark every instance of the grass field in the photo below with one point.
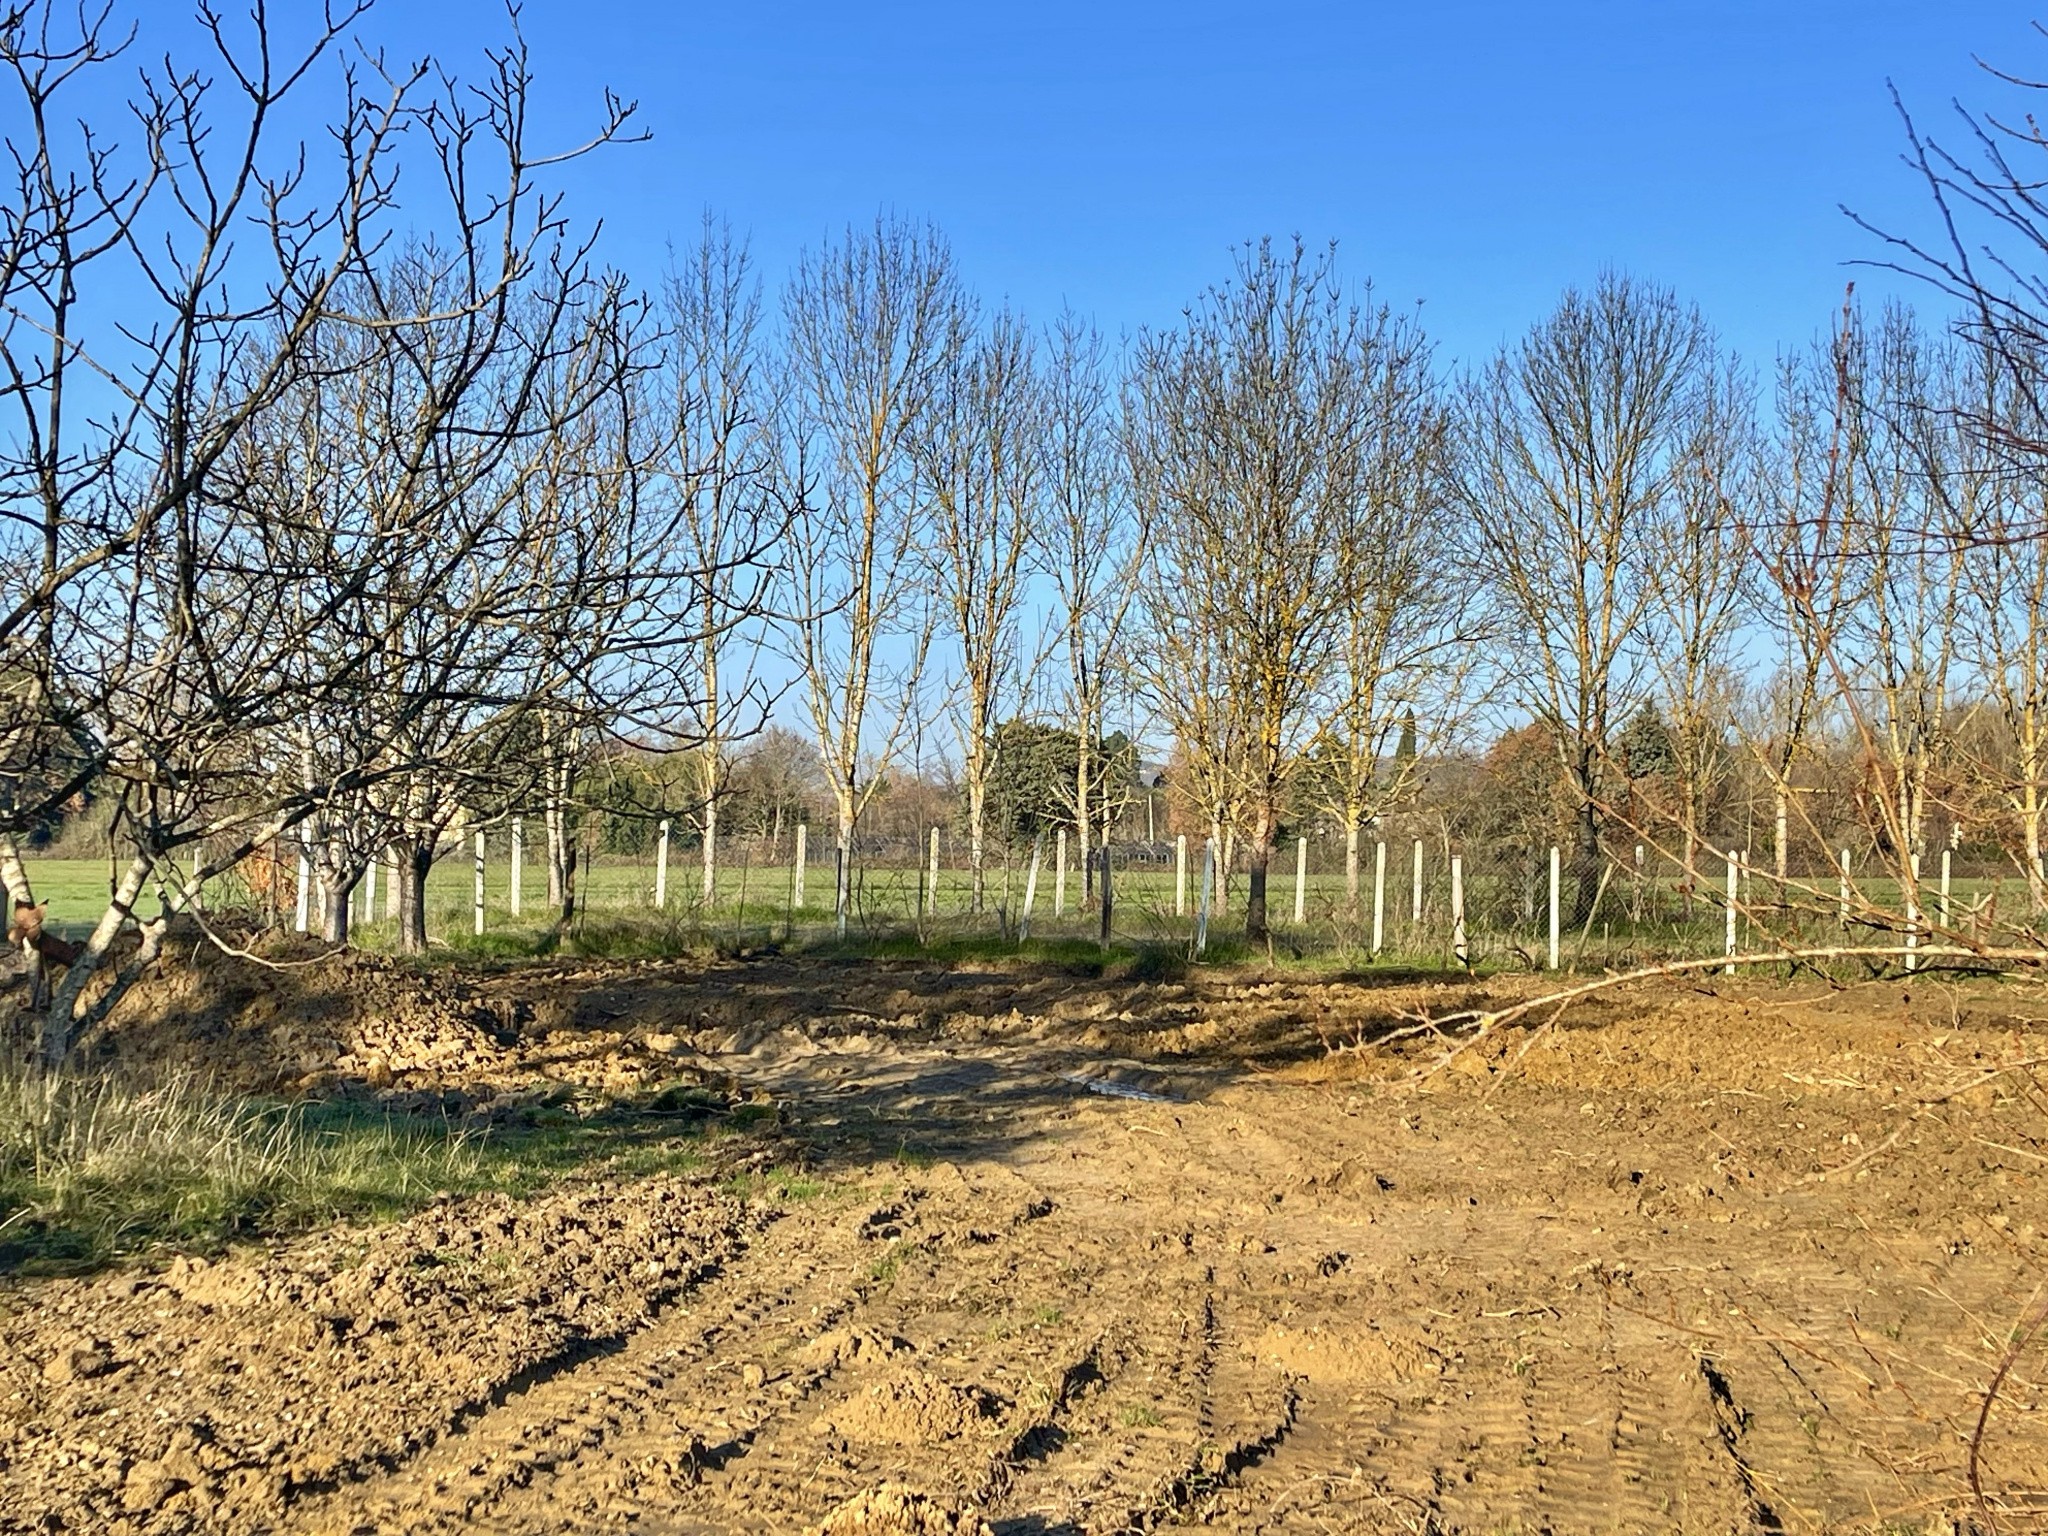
(617, 912)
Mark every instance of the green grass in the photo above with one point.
(617, 919)
(93, 1167)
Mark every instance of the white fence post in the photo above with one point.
(1300, 881)
(931, 894)
(1734, 869)
(1379, 896)
(305, 890)
(518, 858)
(1844, 914)
(1556, 880)
(1059, 876)
(479, 905)
(1944, 887)
(1415, 888)
(1458, 945)
(661, 869)
(1913, 915)
(1180, 876)
(1208, 885)
(1031, 887)
(796, 866)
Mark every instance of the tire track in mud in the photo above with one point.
(532, 1440)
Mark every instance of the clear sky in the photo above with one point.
(1477, 155)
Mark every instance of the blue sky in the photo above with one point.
(1474, 155)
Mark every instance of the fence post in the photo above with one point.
(1300, 881)
(931, 894)
(305, 889)
(1208, 884)
(1415, 888)
(1059, 876)
(1913, 914)
(1030, 888)
(661, 869)
(1944, 886)
(1379, 896)
(478, 907)
(518, 860)
(1458, 945)
(1556, 879)
(1180, 876)
(1734, 868)
(1844, 868)
(796, 866)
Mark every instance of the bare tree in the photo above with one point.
(719, 463)
(1572, 440)
(872, 323)
(1698, 548)
(122, 266)
(982, 449)
(1249, 433)
(1091, 540)
(1405, 659)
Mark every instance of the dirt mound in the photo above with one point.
(896, 1511)
(912, 1408)
(1341, 1355)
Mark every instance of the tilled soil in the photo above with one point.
(1073, 1255)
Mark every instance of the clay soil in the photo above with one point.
(1033, 1252)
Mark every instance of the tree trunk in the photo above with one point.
(59, 1019)
(413, 867)
(1261, 856)
(977, 814)
(337, 899)
(2030, 828)
(710, 850)
(842, 882)
(1082, 824)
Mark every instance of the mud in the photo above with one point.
(1735, 1256)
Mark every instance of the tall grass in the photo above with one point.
(94, 1164)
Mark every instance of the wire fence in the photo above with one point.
(1427, 901)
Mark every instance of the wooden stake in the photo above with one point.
(1556, 880)
(478, 908)
(1944, 887)
(1379, 896)
(931, 892)
(1059, 877)
(1180, 876)
(661, 869)
(796, 866)
(305, 890)
(1415, 888)
(1301, 881)
(518, 858)
(1208, 885)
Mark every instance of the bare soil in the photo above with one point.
(1051, 1253)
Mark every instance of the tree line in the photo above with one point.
(350, 504)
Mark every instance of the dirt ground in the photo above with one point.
(1077, 1255)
